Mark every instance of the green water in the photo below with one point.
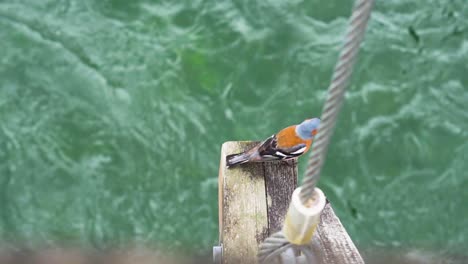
(112, 114)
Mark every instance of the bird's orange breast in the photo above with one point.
(287, 138)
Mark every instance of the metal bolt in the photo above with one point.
(218, 254)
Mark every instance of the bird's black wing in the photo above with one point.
(269, 150)
(294, 151)
(268, 147)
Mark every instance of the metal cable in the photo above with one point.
(272, 247)
(343, 69)
(276, 244)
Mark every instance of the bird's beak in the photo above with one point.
(314, 132)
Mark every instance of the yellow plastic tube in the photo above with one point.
(302, 220)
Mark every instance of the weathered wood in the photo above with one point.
(280, 182)
(253, 201)
(243, 219)
(332, 243)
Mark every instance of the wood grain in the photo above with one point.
(332, 243)
(280, 182)
(243, 215)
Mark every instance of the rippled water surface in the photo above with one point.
(112, 114)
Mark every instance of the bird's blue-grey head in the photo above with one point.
(308, 128)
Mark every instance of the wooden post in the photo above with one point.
(253, 200)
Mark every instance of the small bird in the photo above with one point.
(289, 143)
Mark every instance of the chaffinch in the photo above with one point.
(290, 142)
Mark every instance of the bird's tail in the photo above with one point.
(236, 159)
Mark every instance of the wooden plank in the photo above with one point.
(332, 243)
(253, 200)
(281, 181)
(243, 220)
